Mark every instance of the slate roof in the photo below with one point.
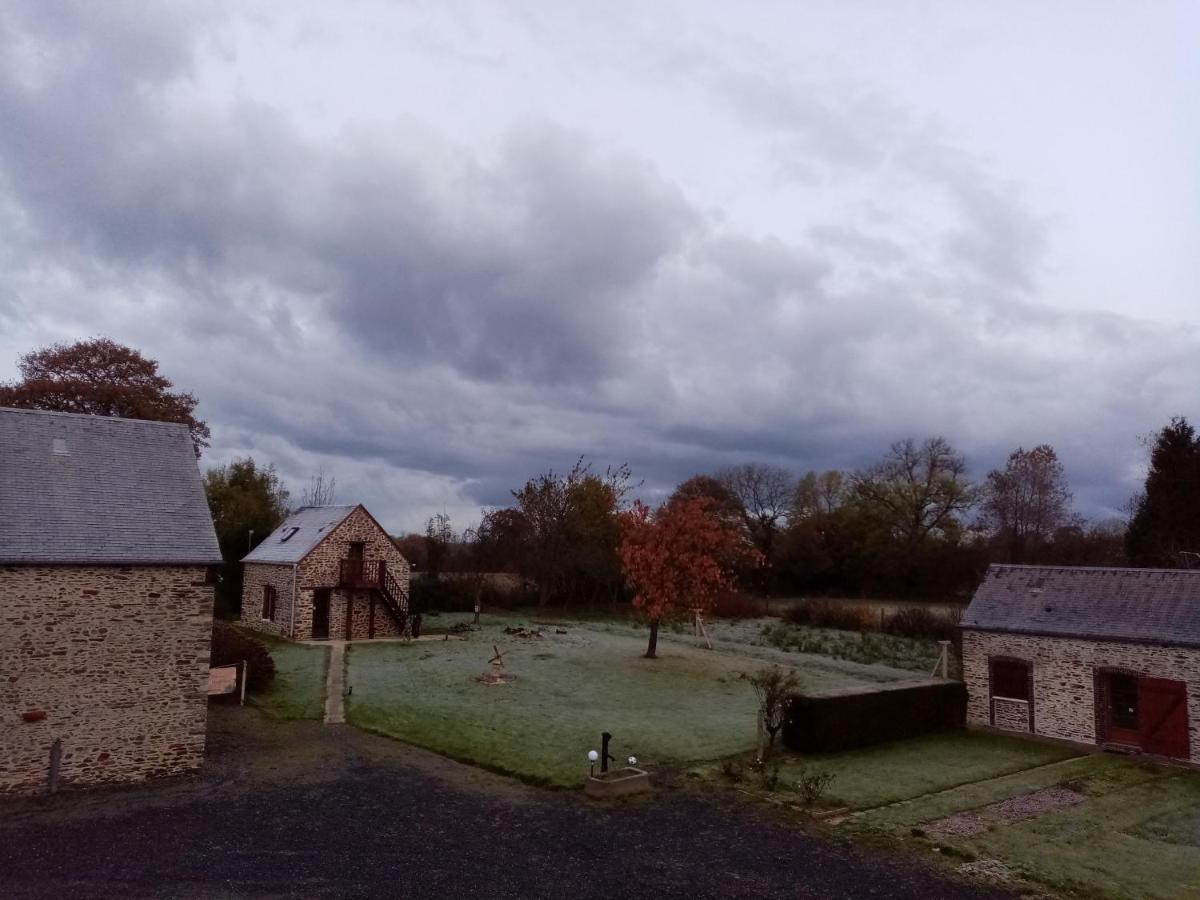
(79, 489)
(1147, 606)
(312, 525)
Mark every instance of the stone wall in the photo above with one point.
(1064, 702)
(321, 569)
(117, 660)
(255, 576)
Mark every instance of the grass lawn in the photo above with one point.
(874, 776)
(687, 705)
(1136, 833)
(298, 691)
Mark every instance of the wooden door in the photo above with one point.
(1164, 717)
(320, 626)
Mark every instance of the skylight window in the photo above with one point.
(288, 534)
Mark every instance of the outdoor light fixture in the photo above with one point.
(592, 757)
(633, 760)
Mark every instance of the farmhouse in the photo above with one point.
(105, 604)
(1109, 657)
(326, 572)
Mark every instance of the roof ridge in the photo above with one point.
(94, 416)
(1133, 570)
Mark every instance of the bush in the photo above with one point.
(827, 614)
(732, 770)
(919, 622)
(438, 595)
(768, 776)
(813, 783)
(231, 647)
(737, 605)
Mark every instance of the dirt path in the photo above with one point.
(308, 810)
(335, 684)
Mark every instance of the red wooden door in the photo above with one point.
(1163, 717)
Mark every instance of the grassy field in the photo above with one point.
(1133, 832)
(689, 704)
(298, 691)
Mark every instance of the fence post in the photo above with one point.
(945, 660)
(245, 678)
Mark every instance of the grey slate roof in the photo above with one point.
(1148, 606)
(78, 489)
(312, 525)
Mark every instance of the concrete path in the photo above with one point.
(335, 684)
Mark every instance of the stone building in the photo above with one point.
(326, 572)
(105, 600)
(1106, 657)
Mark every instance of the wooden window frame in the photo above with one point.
(1027, 664)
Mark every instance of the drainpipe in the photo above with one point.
(295, 568)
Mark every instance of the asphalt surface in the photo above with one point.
(306, 810)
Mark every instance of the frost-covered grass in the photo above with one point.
(689, 704)
(298, 690)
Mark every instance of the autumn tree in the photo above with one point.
(725, 503)
(1025, 503)
(551, 511)
(102, 378)
(678, 557)
(1166, 516)
(247, 502)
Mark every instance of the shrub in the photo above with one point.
(768, 776)
(738, 605)
(231, 647)
(732, 770)
(827, 614)
(919, 622)
(813, 784)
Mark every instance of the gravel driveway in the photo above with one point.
(305, 810)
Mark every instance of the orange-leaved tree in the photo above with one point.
(679, 557)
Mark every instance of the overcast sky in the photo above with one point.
(437, 248)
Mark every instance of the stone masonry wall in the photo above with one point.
(116, 658)
(254, 577)
(1064, 703)
(321, 568)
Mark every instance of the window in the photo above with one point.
(268, 607)
(1010, 679)
(288, 534)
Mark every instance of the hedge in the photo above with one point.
(826, 724)
(231, 647)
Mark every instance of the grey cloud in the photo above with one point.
(411, 306)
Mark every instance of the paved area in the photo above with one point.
(309, 810)
(335, 684)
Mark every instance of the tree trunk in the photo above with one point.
(653, 639)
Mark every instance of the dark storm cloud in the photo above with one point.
(431, 318)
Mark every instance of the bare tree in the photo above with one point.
(1027, 501)
(766, 494)
(773, 686)
(917, 491)
(819, 494)
(320, 491)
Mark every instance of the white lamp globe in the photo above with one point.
(593, 756)
(633, 760)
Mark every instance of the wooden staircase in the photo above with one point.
(374, 575)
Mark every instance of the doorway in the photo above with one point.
(1143, 713)
(320, 626)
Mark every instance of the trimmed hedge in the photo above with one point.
(230, 647)
(845, 721)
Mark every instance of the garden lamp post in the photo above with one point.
(592, 757)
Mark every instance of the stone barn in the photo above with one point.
(106, 544)
(1104, 657)
(328, 572)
